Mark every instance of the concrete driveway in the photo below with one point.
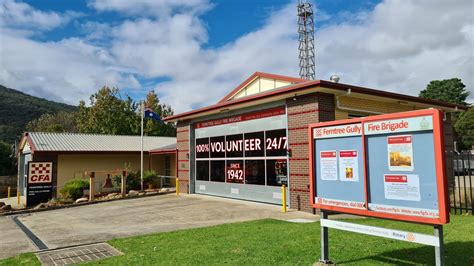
(105, 221)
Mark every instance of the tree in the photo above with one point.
(448, 90)
(58, 122)
(465, 128)
(7, 161)
(155, 128)
(108, 114)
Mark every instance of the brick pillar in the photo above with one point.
(303, 110)
(182, 139)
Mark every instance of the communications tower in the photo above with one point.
(306, 40)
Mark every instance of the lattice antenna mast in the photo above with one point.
(306, 40)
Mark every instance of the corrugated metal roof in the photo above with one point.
(75, 142)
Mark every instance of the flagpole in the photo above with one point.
(141, 138)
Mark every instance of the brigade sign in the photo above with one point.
(389, 166)
(40, 183)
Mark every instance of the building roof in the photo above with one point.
(305, 87)
(165, 150)
(75, 142)
(257, 75)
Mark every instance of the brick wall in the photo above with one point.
(303, 110)
(182, 138)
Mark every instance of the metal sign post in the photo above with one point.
(324, 241)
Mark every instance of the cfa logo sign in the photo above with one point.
(40, 172)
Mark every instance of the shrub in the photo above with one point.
(74, 189)
(133, 181)
(150, 178)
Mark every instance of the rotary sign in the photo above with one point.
(40, 183)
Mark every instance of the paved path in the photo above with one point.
(13, 201)
(105, 221)
(12, 240)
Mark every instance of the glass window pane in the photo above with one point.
(276, 142)
(253, 144)
(202, 148)
(255, 172)
(218, 171)
(277, 173)
(202, 170)
(217, 147)
(235, 171)
(234, 145)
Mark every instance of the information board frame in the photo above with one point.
(39, 183)
(439, 159)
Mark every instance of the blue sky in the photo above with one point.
(66, 50)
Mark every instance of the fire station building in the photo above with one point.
(255, 139)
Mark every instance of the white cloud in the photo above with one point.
(398, 46)
(20, 15)
(154, 8)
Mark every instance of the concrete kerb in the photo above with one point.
(26, 211)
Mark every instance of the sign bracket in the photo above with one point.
(436, 240)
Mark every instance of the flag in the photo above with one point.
(150, 114)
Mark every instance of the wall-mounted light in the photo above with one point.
(294, 97)
(187, 155)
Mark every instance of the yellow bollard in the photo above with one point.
(18, 197)
(283, 198)
(8, 192)
(177, 186)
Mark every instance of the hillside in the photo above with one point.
(17, 109)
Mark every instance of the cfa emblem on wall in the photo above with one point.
(40, 172)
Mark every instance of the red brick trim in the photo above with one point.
(183, 140)
(297, 128)
(299, 159)
(183, 160)
(181, 131)
(304, 112)
(183, 170)
(183, 150)
(298, 143)
(299, 190)
(294, 174)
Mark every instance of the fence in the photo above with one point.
(462, 187)
(5, 182)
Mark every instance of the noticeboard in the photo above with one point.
(388, 166)
(40, 183)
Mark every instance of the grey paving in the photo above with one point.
(105, 221)
(75, 255)
(12, 240)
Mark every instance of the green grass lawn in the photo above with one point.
(279, 242)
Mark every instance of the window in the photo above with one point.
(167, 166)
(255, 172)
(235, 171)
(234, 145)
(276, 142)
(254, 145)
(277, 172)
(217, 147)
(218, 171)
(202, 148)
(202, 170)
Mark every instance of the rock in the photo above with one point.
(151, 193)
(133, 193)
(6, 207)
(111, 196)
(142, 193)
(40, 206)
(164, 190)
(2, 204)
(81, 200)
